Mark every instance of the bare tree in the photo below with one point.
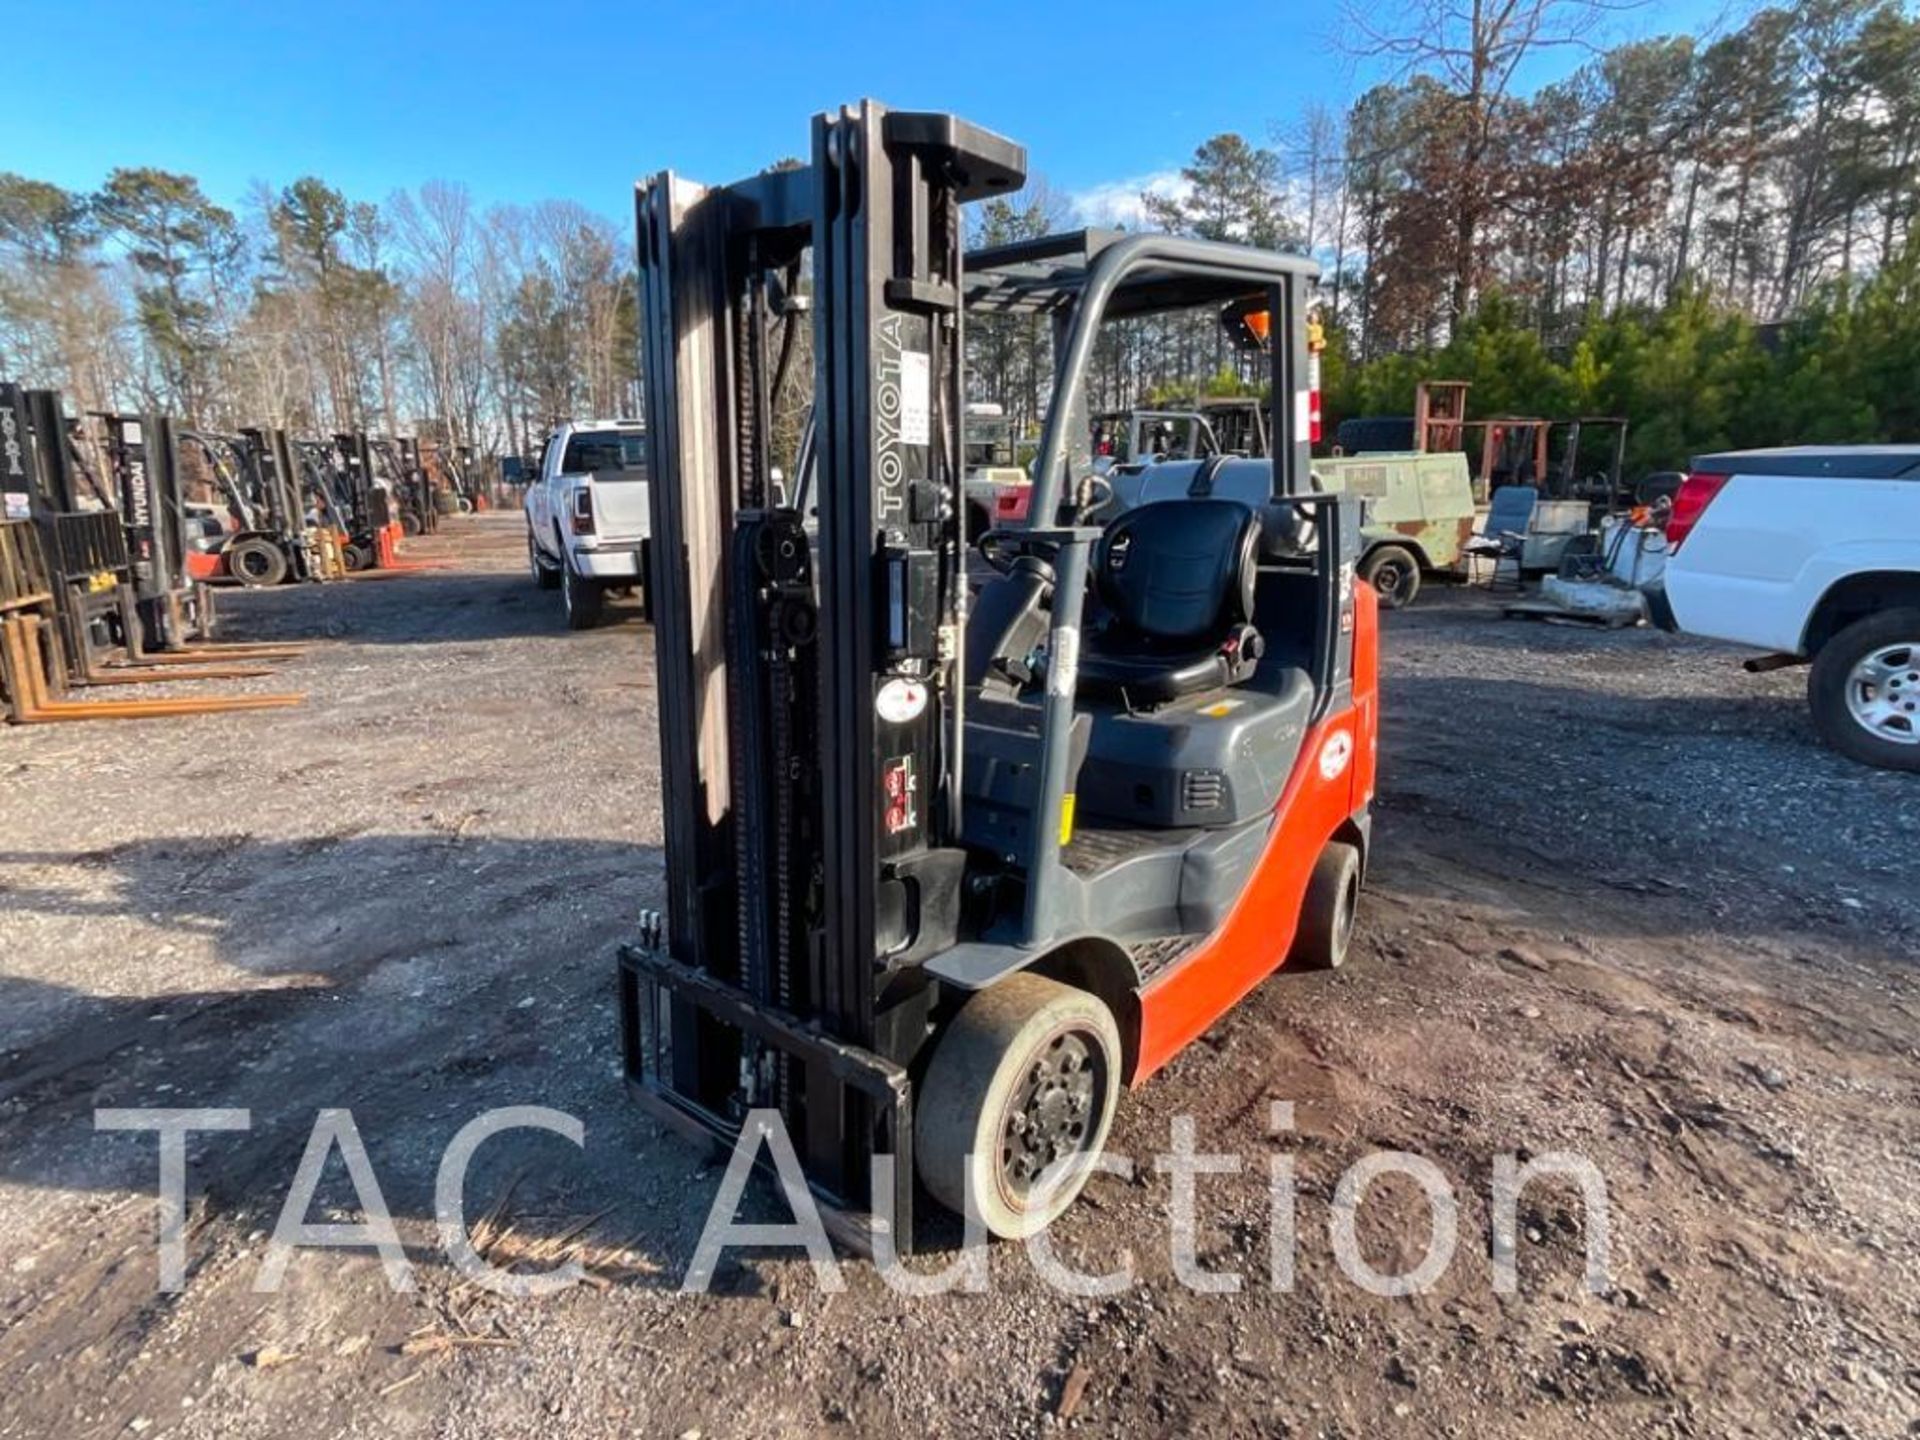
(1475, 48)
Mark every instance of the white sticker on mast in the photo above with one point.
(916, 398)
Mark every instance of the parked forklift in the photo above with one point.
(174, 605)
(944, 874)
(359, 485)
(411, 488)
(269, 540)
(1215, 425)
(92, 596)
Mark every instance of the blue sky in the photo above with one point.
(576, 99)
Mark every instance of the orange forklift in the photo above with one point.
(945, 873)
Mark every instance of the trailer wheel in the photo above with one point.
(585, 602)
(1016, 1102)
(1394, 573)
(1865, 690)
(1327, 914)
(255, 561)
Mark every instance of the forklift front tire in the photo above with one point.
(256, 562)
(584, 600)
(1016, 1103)
(1326, 916)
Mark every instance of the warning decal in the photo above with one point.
(916, 399)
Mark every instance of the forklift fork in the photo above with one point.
(135, 666)
(25, 665)
(204, 654)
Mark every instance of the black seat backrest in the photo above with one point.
(1180, 570)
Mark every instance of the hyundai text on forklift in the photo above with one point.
(944, 872)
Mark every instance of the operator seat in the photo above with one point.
(1177, 580)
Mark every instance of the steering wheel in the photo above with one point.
(1002, 548)
(1099, 490)
(994, 547)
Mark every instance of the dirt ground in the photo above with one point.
(1620, 905)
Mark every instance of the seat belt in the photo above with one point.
(1202, 484)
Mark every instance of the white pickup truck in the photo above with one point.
(587, 515)
(1812, 553)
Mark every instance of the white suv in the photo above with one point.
(587, 515)
(1812, 553)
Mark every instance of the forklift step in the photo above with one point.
(1095, 850)
(1150, 957)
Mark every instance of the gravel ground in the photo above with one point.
(1620, 904)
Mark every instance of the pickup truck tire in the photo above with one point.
(1865, 690)
(586, 600)
(544, 575)
(1394, 573)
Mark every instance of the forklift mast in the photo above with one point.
(323, 478)
(143, 458)
(37, 469)
(276, 476)
(18, 490)
(353, 452)
(825, 719)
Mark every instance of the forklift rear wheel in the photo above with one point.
(1016, 1103)
(1327, 914)
(257, 562)
(1394, 574)
(584, 600)
(545, 576)
(356, 557)
(410, 523)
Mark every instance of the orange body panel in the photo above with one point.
(202, 566)
(1181, 1002)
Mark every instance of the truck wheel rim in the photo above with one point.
(1054, 1114)
(1883, 693)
